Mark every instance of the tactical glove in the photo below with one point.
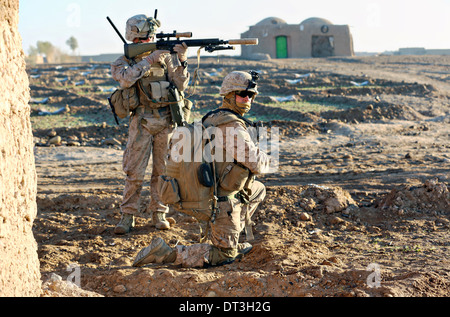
(156, 56)
(181, 50)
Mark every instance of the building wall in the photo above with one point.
(438, 52)
(19, 263)
(100, 58)
(421, 51)
(299, 38)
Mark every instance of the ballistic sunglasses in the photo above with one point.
(245, 93)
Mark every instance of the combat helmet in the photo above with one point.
(239, 81)
(141, 26)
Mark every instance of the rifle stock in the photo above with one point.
(134, 49)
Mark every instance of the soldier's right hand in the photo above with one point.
(156, 56)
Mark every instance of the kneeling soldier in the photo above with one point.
(238, 193)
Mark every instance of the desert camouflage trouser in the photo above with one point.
(225, 232)
(148, 134)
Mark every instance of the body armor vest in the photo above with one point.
(152, 87)
(232, 175)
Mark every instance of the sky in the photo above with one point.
(376, 25)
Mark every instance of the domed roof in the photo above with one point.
(271, 21)
(316, 21)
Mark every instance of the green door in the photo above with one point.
(282, 51)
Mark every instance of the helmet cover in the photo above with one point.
(141, 26)
(238, 81)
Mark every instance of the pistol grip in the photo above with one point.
(175, 60)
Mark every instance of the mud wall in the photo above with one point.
(19, 264)
(299, 39)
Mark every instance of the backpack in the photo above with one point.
(188, 184)
(191, 180)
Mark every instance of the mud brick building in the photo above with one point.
(314, 37)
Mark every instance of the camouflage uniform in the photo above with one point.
(150, 124)
(233, 215)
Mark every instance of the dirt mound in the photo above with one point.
(432, 197)
(55, 286)
(312, 198)
(100, 135)
(292, 129)
(370, 112)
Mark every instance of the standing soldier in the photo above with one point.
(145, 79)
(236, 202)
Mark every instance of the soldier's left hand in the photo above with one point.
(181, 50)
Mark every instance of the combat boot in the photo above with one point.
(157, 252)
(125, 224)
(159, 220)
(244, 248)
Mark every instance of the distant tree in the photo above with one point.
(32, 56)
(72, 43)
(33, 51)
(45, 47)
(52, 53)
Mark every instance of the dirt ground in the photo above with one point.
(359, 206)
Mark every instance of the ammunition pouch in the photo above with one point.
(153, 93)
(163, 94)
(234, 177)
(168, 190)
(169, 193)
(124, 101)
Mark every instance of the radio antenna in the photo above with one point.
(117, 31)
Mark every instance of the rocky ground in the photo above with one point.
(359, 206)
